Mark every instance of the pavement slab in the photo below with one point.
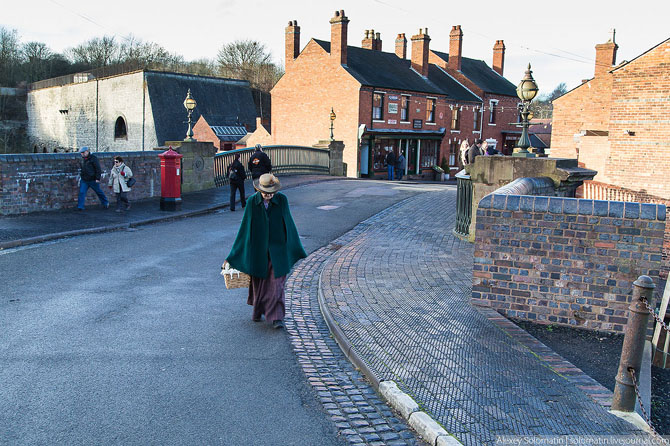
(398, 287)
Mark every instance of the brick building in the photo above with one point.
(422, 105)
(617, 123)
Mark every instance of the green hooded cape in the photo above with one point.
(266, 233)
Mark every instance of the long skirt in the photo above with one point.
(266, 295)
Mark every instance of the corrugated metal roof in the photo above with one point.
(229, 132)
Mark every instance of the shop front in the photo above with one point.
(420, 148)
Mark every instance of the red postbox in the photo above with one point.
(170, 180)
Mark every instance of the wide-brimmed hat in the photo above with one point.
(267, 183)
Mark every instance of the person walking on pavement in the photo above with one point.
(401, 165)
(266, 247)
(90, 173)
(390, 164)
(118, 182)
(236, 175)
(259, 163)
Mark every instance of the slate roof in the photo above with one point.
(224, 101)
(483, 76)
(386, 70)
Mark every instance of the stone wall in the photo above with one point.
(44, 182)
(564, 260)
(197, 164)
(85, 114)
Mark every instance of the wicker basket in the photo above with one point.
(234, 278)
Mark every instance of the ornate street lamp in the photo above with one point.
(189, 104)
(332, 119)
(526, 91)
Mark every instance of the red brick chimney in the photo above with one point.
(401, 46)
(369, 39)
(605, 56)
(499, 57)
(377, 42)
(338, 37)
(420, 51)
(292, 36)
(455, 47)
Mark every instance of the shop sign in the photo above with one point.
(418, 123)
(392, 121)
(393, 107)
(393, 97)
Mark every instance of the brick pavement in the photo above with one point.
(359, 414)
(399, 289)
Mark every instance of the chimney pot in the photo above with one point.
(292, 43)
(420, 52)
(338, 37)
(499, 57)
(455, 47)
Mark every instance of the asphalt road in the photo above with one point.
(131, 338)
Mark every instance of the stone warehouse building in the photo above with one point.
(131, 111)
(424, 106)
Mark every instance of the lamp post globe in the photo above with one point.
(526, 91)
(189, 105)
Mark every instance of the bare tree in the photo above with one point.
(10, 56)
(248, 60)
(37, 58)
(97, 52)
(542, 107)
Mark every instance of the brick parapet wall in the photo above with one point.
(603, 191)
(563, 260)
(44, 182)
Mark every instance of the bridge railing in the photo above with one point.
(286, 160)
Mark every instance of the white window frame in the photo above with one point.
(493, 105)
(409, 102)
(383, 93)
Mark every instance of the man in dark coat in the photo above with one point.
(236, 175)
(390, 164)
(474, 151)
(259, 163)
(266, 247)
(90, 177)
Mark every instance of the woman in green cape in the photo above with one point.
(266, 247)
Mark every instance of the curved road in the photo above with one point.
(131, 338)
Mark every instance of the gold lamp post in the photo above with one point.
(189, 104)
(332, 119)
(526, 91)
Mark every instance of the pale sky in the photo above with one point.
(557, 38)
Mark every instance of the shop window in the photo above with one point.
(120, 131)
(455, 119)
(404, 108)
(429, 153)
(430, 110)
(477, 120)
(378, 106)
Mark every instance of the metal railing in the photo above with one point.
(463, 203)
(286, 160)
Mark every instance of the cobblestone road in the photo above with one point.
(399, 287)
